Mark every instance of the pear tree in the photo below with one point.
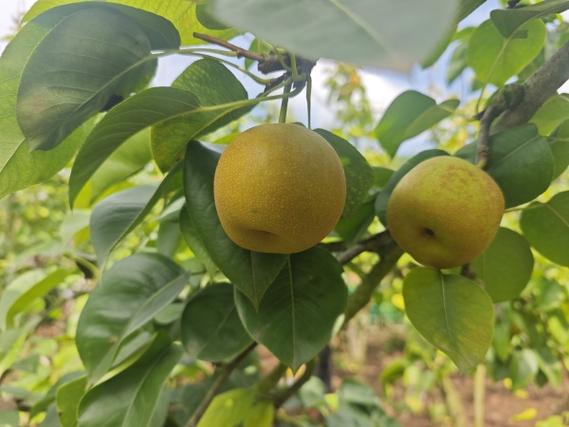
(249, 234)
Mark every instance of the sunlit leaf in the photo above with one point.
(505, 267)
(496, 58)
(367, 32)
(546, 226)
(452, 312)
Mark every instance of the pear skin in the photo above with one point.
(279, 188)
(445, 212)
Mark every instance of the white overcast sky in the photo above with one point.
(382, 86)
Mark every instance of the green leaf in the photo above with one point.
(551, 114)
(467, 7)
(359, 175)
(116, 216)
(410, 114)
(383, 196)
(452, 312)
(161, 34)
(212, 84)
(506, 266)
(297, 314)
(130, 398)
(238, 407)
(25, 290)
(353, 227)
(546, 226)
(560, 150)
(61, 86)
(380, 33)
(510, 20)
(381, 176)
(520, 161)
(181, 13)
(251, 272)
(195, 242)
(131, 116)
(19, 167)
(126, 161)
(523, 367)
(129, 295)
(67, 401)
(495, 58)
(211, 329)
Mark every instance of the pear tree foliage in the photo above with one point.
(79, 99)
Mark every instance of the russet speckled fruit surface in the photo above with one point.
(279, 188)
(445, 212)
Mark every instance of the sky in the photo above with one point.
(382, 86)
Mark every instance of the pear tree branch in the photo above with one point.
(515, 104)
(389, 256)
(224, 373)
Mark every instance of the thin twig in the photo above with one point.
(282, 397)
(224, 374)
(363, 293)
(241, 53)
(376, 243)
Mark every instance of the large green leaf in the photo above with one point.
(467, 7)
(297, 313)
(130, 398)
(520, 161)
(495, 58)
(546, 226)
(62, 86)
(452, 312)
(25, 290)
(194, 241)
(367, 32)
(408, 115)
(239, 407)
(506, 266)
(359, 175)
(352, 227)
(137, 113)
(510, 20)
(211, 329)
(551, 114)
(117, 215)
(19, 167)
(212, 84)
(560, 149)
(251, 272)
(524, 366)
(129, 295)
(114, 217)
(129, 159)
(383, 196)
(181, 13)
(67, 401)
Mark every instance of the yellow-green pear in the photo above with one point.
(279, 188)
(445, 212)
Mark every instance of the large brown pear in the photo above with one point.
(445, 212)
(279, 188)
